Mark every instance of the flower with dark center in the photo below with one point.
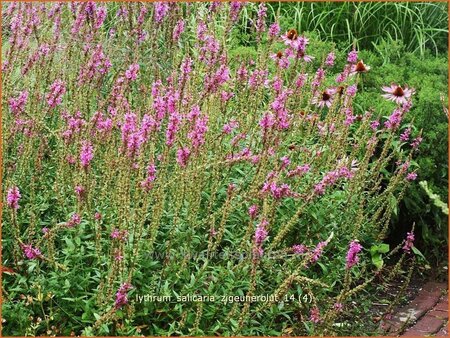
(398, 94)
(292, 34)
(360, 67)
(325, 98)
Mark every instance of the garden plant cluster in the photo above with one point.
(145, 155)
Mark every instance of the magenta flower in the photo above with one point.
(411, 176)
(416, 142)
(285, 161)
(409, 243)
(161, 10)
(17, 104)
(374, 125)
(274, 30)
(338, 307)
(86, 154)
(318, 78)
(57, 90)
(79, 190)
(314, 315)
(301, 80)
(281, 59)
(74, 220)
(299, 170)
(405, 135)
(352, 56)
(30, 252)
(397, 94)
(352, 254)
(198, 132)
(277, 191)
(97, 66)
(230, 126)
(121, 295)
(299, 249)
(260, 236)
(172, 127)
(13, 198)
(235, 8)
(132, 72)
(183, 155)
(261, 232)
(178, 30)
(120, 235)
(253, 211)
(118, 255)
(260, 21)
(351, 90)
(394, 120)
(318, 250)
(100, 16)
(329, 61)
(147, 184)
(267, 122)
(349, 117)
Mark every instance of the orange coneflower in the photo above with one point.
(292, 34)
(360, 67)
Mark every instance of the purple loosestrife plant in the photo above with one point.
(175, 155)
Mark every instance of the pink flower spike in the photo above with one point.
(352, 254)
(253, 211)
(329, 61)
(411, 176)
(409, 242)
(13, 198)
(183, 155)
(352, 56)
(57, 90)
(121, 295)
(132, 72)
(87, 154)
(314, 315)
(299, 249)
(74, 220)
(274, 30)
(30, 252)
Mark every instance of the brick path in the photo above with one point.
(426, 315)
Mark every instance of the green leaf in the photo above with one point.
(376, 252)
(377, 261)
(379, 248)
(418, 253)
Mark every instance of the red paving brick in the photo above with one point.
(438, 314)
(426, 315)
(442, 306)
(443, 331)
(428, 324)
